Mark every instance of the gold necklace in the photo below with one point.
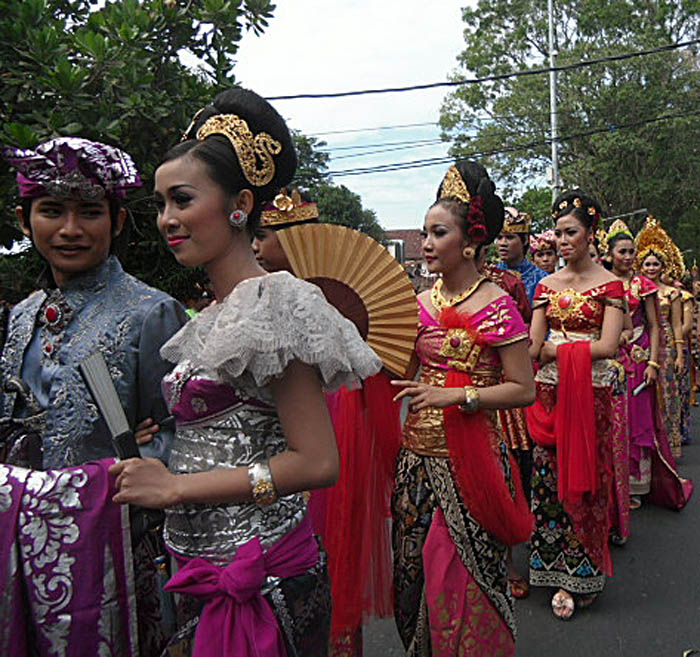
(440, 303)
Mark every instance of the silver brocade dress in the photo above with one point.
(219, 394)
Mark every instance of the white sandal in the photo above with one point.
(563, 605)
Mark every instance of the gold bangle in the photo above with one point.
(472, 401)
(261, 484)
(654, 364)
(679, 341)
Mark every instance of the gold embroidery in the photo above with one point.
(424, 430)
(453, 186)
(497, 320)
(461, 352)
(249, 149)
(566, 305)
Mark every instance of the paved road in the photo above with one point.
(650, 607)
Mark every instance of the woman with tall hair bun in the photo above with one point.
(657, 256)
(246, 368)
(458, 501)
(575, 331)
(649, 450)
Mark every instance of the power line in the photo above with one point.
(494, 78)
(332, 149)
(435, 142)
(413, 164)
(472, 119)
(386, 127)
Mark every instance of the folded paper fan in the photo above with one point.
(363, 281)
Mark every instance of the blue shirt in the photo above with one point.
(104, 309)
(530, 275)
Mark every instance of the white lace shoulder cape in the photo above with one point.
(266, 322)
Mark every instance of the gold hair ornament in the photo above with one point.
(286, 209)
(453, 186)
(193, 122)
(252, 150)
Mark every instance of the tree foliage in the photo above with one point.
(652, 165)
(336, 203)
(116, 74)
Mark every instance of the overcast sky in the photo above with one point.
(317, 46)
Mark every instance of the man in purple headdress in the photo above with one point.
(56, 514)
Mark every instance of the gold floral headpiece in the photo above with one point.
(254, 151)
(515, 221)
(654, 239)
(453, 186)
(285, 210)
(576, 202)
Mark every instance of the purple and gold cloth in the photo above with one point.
(71, 166)
(66, 581)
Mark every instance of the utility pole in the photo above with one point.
(555, 181)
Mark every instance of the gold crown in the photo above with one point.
(516, 222)
(287, 209)
(654, 239)
(453, 186)
(254, 151)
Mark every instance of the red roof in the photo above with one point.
(411, 238)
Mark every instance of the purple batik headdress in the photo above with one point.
(73, 167)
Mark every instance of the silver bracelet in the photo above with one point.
(261, 484)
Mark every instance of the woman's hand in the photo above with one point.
(625, 336)
(678, 365)
(548, 353)
(424, 396)
(146, 431)
(145, 482)
(650, 374)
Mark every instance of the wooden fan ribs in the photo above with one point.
(342, 254)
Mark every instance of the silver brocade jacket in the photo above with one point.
(51, 332)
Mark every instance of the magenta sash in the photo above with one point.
(236, 619)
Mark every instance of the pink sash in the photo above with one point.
(236, 620)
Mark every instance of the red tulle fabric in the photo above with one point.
(353, 516)
(474, 452)
(571, 424)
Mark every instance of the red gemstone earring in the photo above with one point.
(238, 218)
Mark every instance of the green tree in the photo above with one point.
(536, 201)
(312, 162)
(338, 205)
(115, 74)
(652, 165)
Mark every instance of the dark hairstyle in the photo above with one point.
(578, 204)
(619, 237)
(478, 183)
(220, 158)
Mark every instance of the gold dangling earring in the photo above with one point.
(468, 252)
